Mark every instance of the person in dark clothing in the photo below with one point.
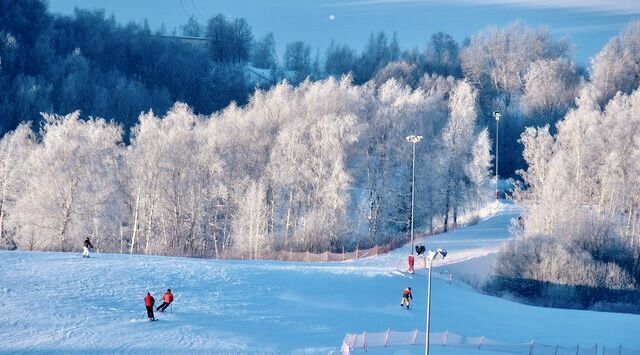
(167, 298)
(85, 248)
(148, 302)
(407, 297)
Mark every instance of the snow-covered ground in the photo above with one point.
(62, 303)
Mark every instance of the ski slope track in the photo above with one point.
(61, 303)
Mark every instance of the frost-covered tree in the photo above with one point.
(617, 66)
(71, 186)
(405, 73)
(497, 59)
(250, 226)
(550, 90)
(496, 62)
(581, 199)
(458, 138)
(308, 163)
(396, 111)
(316, 167)
(15, 148)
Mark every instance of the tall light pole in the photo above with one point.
(431, 256)
(497, 116)
(413, 139)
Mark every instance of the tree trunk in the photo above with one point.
(149, 226)
(5, 182)
(136, 212)
(67, 214)
(215, 244)
(446, 210)
(288, 221)
(455, 216)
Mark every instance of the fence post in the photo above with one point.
(531, 347)
(555, 352)
(357, 251)
(415, 334)
(481, 341)
(386, 338)
(353, 342)
(326, 256)
(446, 335)
(376, 250)
(577, 349)
(343, 253)
(620, 350)
(364, 340)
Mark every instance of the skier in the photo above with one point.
(406, 296)
(85, 248)
(148, 302)
(167, 298)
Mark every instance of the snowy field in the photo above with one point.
(62, 303)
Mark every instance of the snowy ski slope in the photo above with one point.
(62, 303)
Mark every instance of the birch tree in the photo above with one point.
(71, 188)
(15, 148)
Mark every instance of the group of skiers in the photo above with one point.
(149, 301)
(167, 298)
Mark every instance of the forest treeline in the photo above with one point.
(89, 62)
(321, 166)
(155, 145)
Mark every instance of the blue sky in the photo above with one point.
(587, 23)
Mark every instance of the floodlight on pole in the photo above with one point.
(413, 139)
(497, 116)
(431, 256)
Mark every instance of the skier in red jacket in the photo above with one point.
(148, 302)
(167, 298)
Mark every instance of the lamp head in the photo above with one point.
(414, 139)
(440, 253)
(432, 254)
(497, 115)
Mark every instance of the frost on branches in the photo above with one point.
(581, 239)
(317, 167)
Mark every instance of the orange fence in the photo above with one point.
(349, 255)
(330, 256)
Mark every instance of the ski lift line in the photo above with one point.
(185, 10)
(198, 11)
